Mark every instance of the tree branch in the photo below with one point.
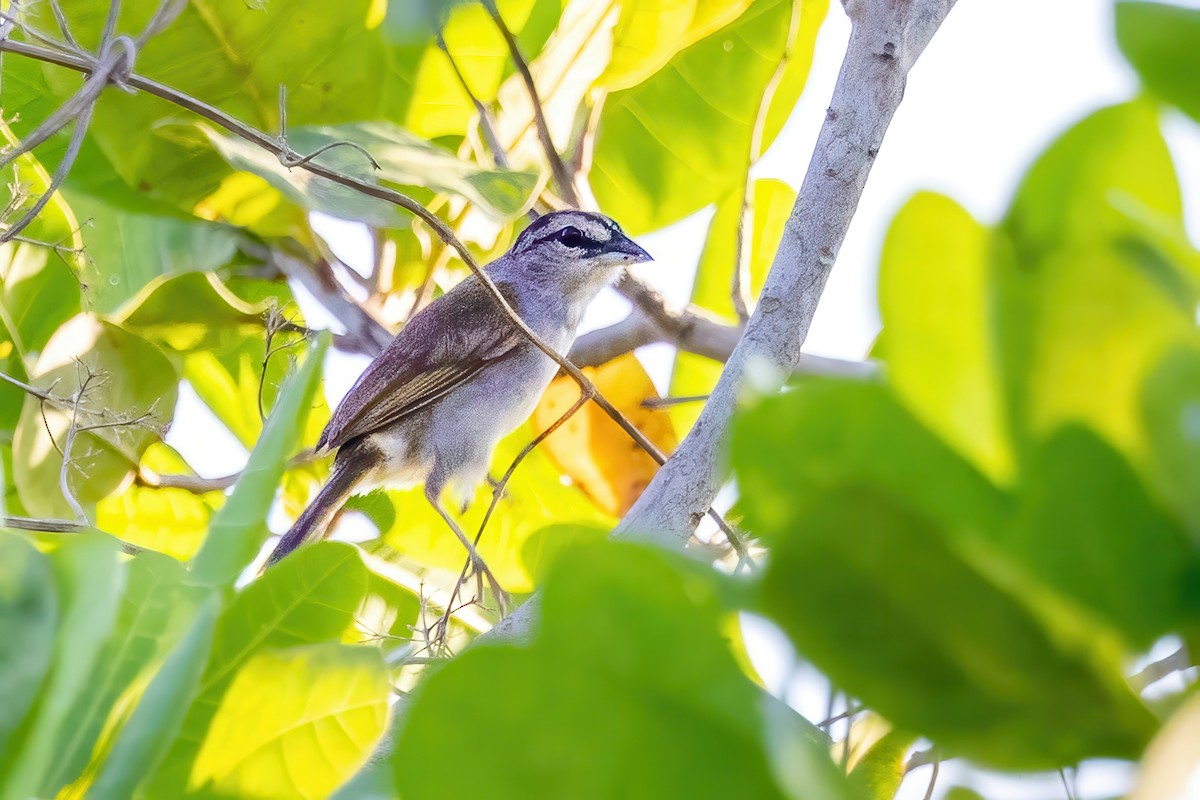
(364, 333)
(701, 336)
(562, 177)
(886, 38)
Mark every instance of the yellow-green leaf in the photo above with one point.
(295, 723)
(934, 283)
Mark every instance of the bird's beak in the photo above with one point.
(624, 245)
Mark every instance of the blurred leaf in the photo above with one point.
(154, 614)
(1088, 528)
(131, 394)
(1168, 769)
(403, 159)
(144, 739)
(691, 123)
(1080, 334)
(878, 756)
(295, 723)
(240, 527)
(128, 250)
(542, 550)
(826, 434)
(311, 596)
(941, 358)
(1089, 296)
(1161, 42)
(1076, 193)
(89, 579)
(591, 448)
(533, 498)
(881, 530)
(608, 714)
(1171, 414)
(28, 612)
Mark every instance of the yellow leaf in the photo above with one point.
(295, 723)
(592, 449)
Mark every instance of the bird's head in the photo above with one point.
(581, 246)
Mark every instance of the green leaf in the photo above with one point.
(1079, 191)
(192, 311)
(1088, 299)
(440, 105)
(609, 714)
(28, 612)
(878, 756)
(1088, 528)
(89, 578)
(403, 159)
(130, 393)
(311, 596)
(1161, 41)
(39, 277)
(130, 250)
(647, 34)
(334, 61)
(240, 527)
(1171, 413)
(154, 614)
(143, 740)
(168, 520)
(830, 433)
(941, 357)
(389, 610)
(692, 122)
(295, 723)
(881, 530)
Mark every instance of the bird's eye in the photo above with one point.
(572, 237)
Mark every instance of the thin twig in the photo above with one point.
(498, 492)
(1157, 670)
(63, 27)
(740, 290)
(562, 177)
(487, 128)
(64, 472)
(933, 776)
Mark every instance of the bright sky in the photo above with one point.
(998, 82)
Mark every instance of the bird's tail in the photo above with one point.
(319, 513)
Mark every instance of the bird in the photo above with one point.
(460, 375)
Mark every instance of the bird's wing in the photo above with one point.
(442, 346)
